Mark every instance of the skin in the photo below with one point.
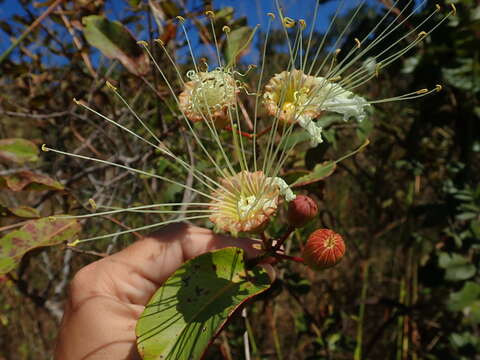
(107, 297)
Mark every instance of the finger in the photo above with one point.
(133, 274)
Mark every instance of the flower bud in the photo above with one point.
(324, 249)
(301, 210)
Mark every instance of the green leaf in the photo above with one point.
(465, 297)
(24, 212)
(116, 42)
(191, 307)
(462, 77)
(34, 234)
(456, 266)
(18, 151)
(238, 40)
(27, 180)
(319, 172)
(468, 301)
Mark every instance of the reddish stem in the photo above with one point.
(291, 258)
(248, 135)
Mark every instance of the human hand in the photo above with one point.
(107, 297)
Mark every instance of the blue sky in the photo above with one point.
(254, 10)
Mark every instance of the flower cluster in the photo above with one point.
(243, 188)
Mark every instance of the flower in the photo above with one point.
(244, 203)
(314, 85)
(238, 183)
(294, 96)
(209, 95)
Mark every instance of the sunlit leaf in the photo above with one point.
(238, 41)
(192, 306)
(319, 172)
(116, 42)
(18, 151)
(34, 234)
(27, 180)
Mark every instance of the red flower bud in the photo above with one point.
(301, 210)
(324, 249)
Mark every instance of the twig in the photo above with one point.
(29, 29)
(77, 43)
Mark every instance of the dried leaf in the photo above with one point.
(34, 234)
(27, 180)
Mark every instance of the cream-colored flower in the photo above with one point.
(295, 97)
(245, 202)
(209, 96)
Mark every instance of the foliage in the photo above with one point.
(408, 206)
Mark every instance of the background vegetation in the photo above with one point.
(408, 206)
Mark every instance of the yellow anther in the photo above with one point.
(251, 66)
(272, 15)
(454, 9)
(52, 218)
(422, 34)
(226, 29)
(335, 79)
(93, 204)
(110, 86)
(159, 41)
(210, 14)
(302, 24)
(181, 19)
(421, 91)
(358, 43)
(257, 246)
(73, 243)
(438, 87)
(76, 101)
(289, 22)
(438, 7)
(44, 148)
(288, 107)
(142, 43)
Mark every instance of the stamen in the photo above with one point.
(454, 9)
(181, 19)
(44, 148)
(422, 34)
(110, 86)
(302, 24)
(210, 14)
(289, 22)
(226, 29)
(359, 44)
(92, 204)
